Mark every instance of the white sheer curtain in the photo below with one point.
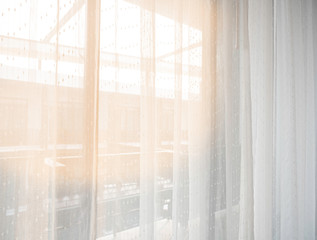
(284, 125)
(156, 119)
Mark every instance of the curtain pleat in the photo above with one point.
(246, 221)
(261, 37)
(148, 130)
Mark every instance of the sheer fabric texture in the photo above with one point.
(157, 119)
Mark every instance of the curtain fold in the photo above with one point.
(246, 222)
(158, 119)
(294, 124)
(261, 37)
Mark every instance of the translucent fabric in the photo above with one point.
(157, 119)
